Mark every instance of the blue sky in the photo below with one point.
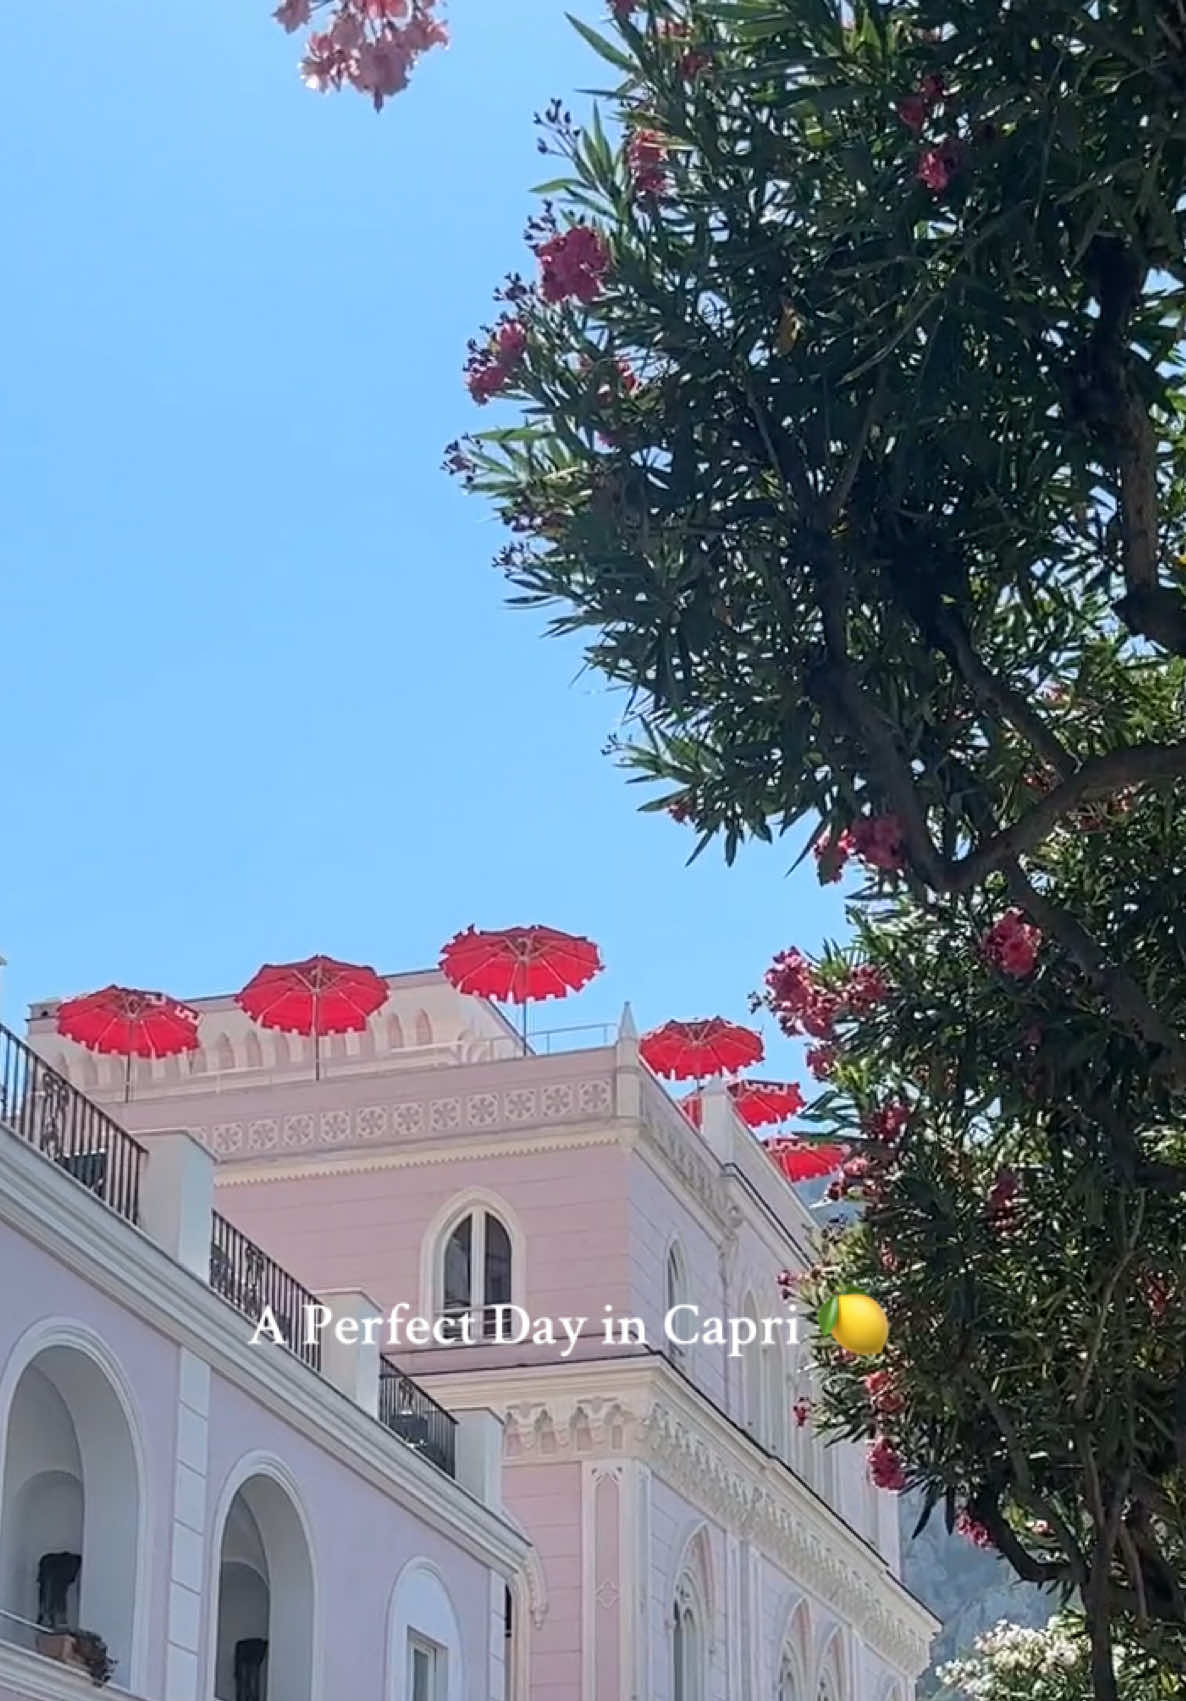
(262, 693)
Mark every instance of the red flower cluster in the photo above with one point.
(1011, 944)
(880, 841)
(1156, 1293)
(883, 1393)
(646, 161)
(820, 1059)
(1002, 1197)
(937, 166)
(803, 1006)
(975, 1532)
(801, 1412)
(573, 263)
(831, 855)
(694, 59)
(488, 368)
(886, 1469)
(915, 109)
(886, 1123)
(875, 839)
(371, 44)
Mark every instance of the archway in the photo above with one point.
(264, 1624)
(70, 1506)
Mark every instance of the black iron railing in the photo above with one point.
(41, 1107)
(416, 1418)
(254, 1284)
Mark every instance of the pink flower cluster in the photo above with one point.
(804, 1006)
(937, 166)
(1011, 944)
(801, 1412)
(488, 367)
(886, 1469)
(646, 161)
(877, 840)
(975, 1532)
(915, 109)
(371, 44)
(820, 1060)
(573, 264)
(1003, 1195)
(883, 1393)
(886, 1123)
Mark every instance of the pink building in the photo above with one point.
(680, 1538)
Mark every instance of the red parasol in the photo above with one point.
(692, 1050)
(519, 965)
(318, 996)
(126, 1022)
(756, 1102)
(802, 1160)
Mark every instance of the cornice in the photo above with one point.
(55, 1212)
(644, 1410)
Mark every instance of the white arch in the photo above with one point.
(831, 1682)
(67, 1332)
(794, 1650)
(242, 1473)
(420, 1602)
(432, 1247)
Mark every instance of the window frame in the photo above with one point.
(438, 1672)
(477, 1214)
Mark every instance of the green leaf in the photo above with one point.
(600, 45)
(829, 1315)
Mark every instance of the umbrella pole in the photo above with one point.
(128, 1078)
(316, 1039)
(525, 1027)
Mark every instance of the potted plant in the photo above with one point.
(90, 1652)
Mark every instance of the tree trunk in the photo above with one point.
(1103, 1671)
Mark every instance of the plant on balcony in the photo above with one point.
(91, 1653)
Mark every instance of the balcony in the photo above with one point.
(43, 1109)
(40, 1108)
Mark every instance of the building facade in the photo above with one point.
(685, 1538)
(228, 1521)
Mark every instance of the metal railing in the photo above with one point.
(41, 1107)
(416, 1418)
(243, 1274)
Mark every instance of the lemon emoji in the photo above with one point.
(856, 1322)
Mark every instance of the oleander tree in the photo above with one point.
(839, 402)
(1011, 1663)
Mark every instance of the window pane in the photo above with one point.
(458, 1287)
(498, 1264)
(681, 1683)
(673, 1282)
(423, 1674)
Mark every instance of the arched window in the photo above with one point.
(687, 1647)
(675, 1293)
(774, 1397)
(224, 1053)
(265, 1610)
(788, 1683)
(70, 1513)
(476, 1271)
(253, 1051)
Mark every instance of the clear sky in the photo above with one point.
(261, 691)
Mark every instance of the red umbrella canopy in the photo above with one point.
(128, 1022)
(318, 996)
(756, 1102)
(692, 1050)
(803, 1160)
(519, 964)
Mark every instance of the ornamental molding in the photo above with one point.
(580, 1412)
(549, 1104)
(236, 1174)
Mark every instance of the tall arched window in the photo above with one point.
(788, 1683)
(675, 1293)
(751, 1376)
(687, 1657)
(265, 1604)
(476, 1272)
(70, 1509)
